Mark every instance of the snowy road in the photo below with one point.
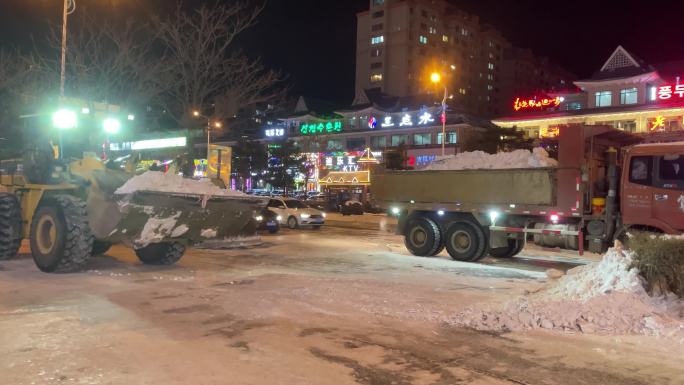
(335, 306)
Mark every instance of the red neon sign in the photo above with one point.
(667, 92)
(535, 103)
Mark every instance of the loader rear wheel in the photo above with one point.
(61, 240)
(10, 226)
(422, 237)
(101, 247)
(465, 241)
(161, 253)
(514, 247)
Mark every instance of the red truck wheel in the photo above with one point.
(465, 241)
(422, 237)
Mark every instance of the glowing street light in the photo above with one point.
(111, 125)
(64, 119)
(197, 114)
(436, 78)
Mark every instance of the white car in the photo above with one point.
(295, 213)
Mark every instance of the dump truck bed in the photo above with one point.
(466, 188)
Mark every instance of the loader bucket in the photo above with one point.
(143, 217)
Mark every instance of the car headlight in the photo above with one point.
(324, 215)
(259, 218)
(304, 216)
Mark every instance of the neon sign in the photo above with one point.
(666, 92)
(372, 123)
(271, 132)
(529, 104)
(387, 122)
(658, 123)
(328, 127)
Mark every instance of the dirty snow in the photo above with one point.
(180, 230)
(536, 158)
(231, 242)
(159, 182)
(605, 297)
(208, 233)
(156, 229)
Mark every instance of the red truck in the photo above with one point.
(475, 213)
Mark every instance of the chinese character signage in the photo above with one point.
(407, 120)
(658, 124)
(536, 104)
(671, 91)
(328, 127)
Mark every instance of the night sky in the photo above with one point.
(314, 40)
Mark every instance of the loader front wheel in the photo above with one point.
(161, 253)
(10, 226)
(101, 247)
(61, 240)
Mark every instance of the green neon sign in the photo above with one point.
(328, 127)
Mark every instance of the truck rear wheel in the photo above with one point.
(514, 248)
(161, 253)
(422, 237)
(61, 240)
(465, 241)
(10, 226)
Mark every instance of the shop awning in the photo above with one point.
(343, 178)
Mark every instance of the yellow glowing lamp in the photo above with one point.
(435, 77)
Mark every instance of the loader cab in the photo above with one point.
(653, 187)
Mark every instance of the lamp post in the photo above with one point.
(197, 114)
(436, 78)
(69, 8)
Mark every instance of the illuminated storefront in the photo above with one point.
(626, 94)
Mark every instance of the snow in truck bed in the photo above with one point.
(538, 158)
(159, 182)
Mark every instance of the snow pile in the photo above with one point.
(602, 297)
(227, 243)
(503, 160)
(159, 182)
(208, 233)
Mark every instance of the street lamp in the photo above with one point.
(197, 114)
(436, 78)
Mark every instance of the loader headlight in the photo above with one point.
(111, 125)
(396, 210)
(279, 218)
(259, 218)
(64, 119)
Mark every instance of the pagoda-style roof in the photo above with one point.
(344, 178)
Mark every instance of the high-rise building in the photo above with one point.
(400, 43)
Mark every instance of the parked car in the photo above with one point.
(295, 213)
(351, 207)
(268, 220)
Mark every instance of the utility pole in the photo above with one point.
(69, 8)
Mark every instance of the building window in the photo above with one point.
(422, 39)
(574, 106)
(375, 78)
(423, 13)
(604, 99)
(452, 138)
(399, 139)
(433, 30)
(377, 27)
(422, 139)
(490, 66)
(335, 144)
(378, 141)
(626, 125)
(374, 66)
(378, 14)
(628, 96)
(445, 38)
(378, 2)
(356, 144)
(376, 52)
(464, 32)
(378, 39)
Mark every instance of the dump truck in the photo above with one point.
(606, 184)
(68, 205)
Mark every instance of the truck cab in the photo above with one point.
(652, 191)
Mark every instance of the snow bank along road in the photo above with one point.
(308, 307)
